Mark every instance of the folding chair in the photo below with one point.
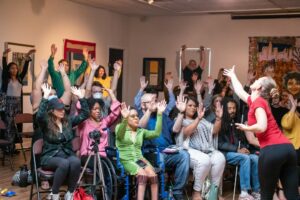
(5, 144)
(20, 119)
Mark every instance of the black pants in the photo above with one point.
(65, 167)
(278, 162)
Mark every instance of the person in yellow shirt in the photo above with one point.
(291, 128)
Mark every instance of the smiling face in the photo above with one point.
(293, 86)
(133, 119)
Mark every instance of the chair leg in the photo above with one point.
(23, 151)
(11, 160)
(235, 179)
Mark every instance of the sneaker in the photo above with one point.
(246, 197)
(256, 195)
(69, 196)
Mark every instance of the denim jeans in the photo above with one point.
(179, 163)
(248, 164)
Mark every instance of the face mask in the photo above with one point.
(52, 97)
(97, 95)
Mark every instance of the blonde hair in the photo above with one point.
(267, 84)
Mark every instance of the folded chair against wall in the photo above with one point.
(20, 119)
(6, 145)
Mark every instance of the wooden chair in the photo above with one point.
(5, 144)
(24, 118)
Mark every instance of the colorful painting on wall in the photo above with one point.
(278, 57)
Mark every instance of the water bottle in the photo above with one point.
(170, 196)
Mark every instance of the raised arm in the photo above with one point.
(138, 96)
(51, 68)
(202, 61)
(84, 111)
(41, 115)
(37, 90)
(4, 67)
(158, 126)
(117, 73)
(219, 114)
(182, 86)
(190, 129)
(66, 97)
(145, 118)
(88, 90)
(181, 106)
(198, 87)
(287, 121)
(26, 64)
(172, 101)
(237, 86)
(183, 61)
(81, 69)
(121, 128)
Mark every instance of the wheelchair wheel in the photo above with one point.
(110, 179)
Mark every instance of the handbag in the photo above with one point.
(80, 194)
(213, 192)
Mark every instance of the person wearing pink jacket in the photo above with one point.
(98, 123)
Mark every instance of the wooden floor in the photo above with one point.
(23, 193)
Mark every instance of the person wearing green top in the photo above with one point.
(56, 77)
(129, 140)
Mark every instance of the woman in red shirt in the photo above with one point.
(277, 158)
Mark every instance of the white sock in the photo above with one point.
(244, 193)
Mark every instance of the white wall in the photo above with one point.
(163, 36)
(43, 22)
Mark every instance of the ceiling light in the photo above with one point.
(150, 1)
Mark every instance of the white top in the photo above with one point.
(14, 88)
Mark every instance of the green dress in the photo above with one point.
(130, 151)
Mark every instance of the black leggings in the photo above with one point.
(68, 167)
(278, 162)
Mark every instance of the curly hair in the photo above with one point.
(291, 75)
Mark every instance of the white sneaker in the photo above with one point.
(246, 197)
(69, 196)
(256, 195)
(55, 196)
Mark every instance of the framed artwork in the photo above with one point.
(17, 55)
(154, 71)
(73, 54)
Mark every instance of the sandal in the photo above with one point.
(45, 185)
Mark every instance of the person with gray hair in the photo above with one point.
(277, 159)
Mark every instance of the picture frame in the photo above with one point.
(154, 71)
(73, 54)
(17, 54)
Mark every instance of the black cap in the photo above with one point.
(56, 104)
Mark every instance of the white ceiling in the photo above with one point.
(192, 7)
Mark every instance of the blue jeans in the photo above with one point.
(181, 163)
(248, 164)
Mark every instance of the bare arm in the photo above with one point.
(144, 120)
(237, 86)
(181, 106)
(66, 97)
(202, 62)
(251, 138)
(190, 129)
(88, 90)
(261, 124)
(117, 72)
(219, 114)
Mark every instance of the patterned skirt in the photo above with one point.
(13, 107)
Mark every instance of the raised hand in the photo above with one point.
(61, 68)
(201, 48)
(219, 110)
(94, 66)
(198, 86)
(125, 110)
(181, 104)
(143, 82)
(211, 84)
(6, 51)
(77, 92)
(183, 47)
(200, 111)
(293, 103)
(169, 84)
(182, 85)
(44, 64)
(229, 72)
(85, 53)
(53, 50)
(46, 89)
(161, 106)
(31, 51)
(118, 65)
